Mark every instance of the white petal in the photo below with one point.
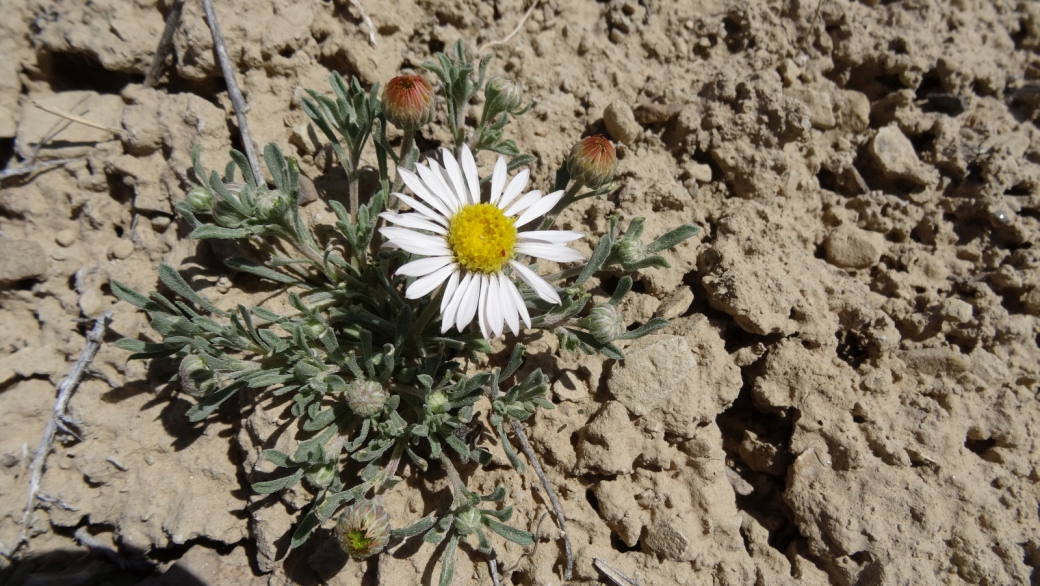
(415, 242)
(540, 285)
(422, 209)
(514, 188)
(449, 290)
(506, 298)
(482, 308)
(455, 175)
(448, 315)
(523, 203)
(433, 194)
(553, 252)
(494, 306)
(498, 180)
(549, 236)
(518, 302)
(468, 303)
(469, 171)
(539, 208)
(415, 220)
(424, 266)
(428, 283)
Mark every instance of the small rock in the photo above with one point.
(91, 303)
(957, 310)
(1032, 301)
(651, 373)
(308, 193)
(936, 361)
(570, 388)
(21, 259)
(122, 249)
(617, 36)
(820, 106)
(853, 110)
(699, 172)
(895, 155)
(621, 122)
(740, 486)
(8, 460)
(664, 538)
(675, 304)
(66, 238)
(161, 222)
(852, 248)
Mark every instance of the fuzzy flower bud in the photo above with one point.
(200, 200)
(366, 398)
(363, 529)
(605, 323)
(320, 475)
(196, 376)
(504, 95)
(630, 251)
(592, 162)
(467, 521)
(438, 402)
(408, 101)
(272, 205)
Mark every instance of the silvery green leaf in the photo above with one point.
(504, 515)
(266, 378)
(134, 298)
(458, 445)
(208, 405)
(648, 328)
(434, 536)
(303, 532)
(269, 486)
(421, 526)
(174, 281)
(417, 459)
(517, 536)
(483, 545)
(279, 459)
(496, 495)
(672, 238)
(326, 417)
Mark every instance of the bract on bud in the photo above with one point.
(630, 251)
(272, 205)
(467, 521)
(196, 376)
(592, 162)
(200, 200)
(320, 475)
(504, 95)
(408, 101)
(438, 402)
(366, 398)
(605, 323)
(363, 529)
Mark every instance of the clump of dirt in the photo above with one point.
(848, 393)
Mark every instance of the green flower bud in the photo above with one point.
(592, 162)
(438, 402)
(196, 376)
(320, 475)
(200, 200)
(314, 327)
(366, 398)
(272, 205)
(363, 529)
(630, 251)
(605, 323)
(504, 95)
(467, 521)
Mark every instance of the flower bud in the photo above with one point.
(200, 200)
(363, 529)
(630, 251)
(605, 323)
(366, 398)
(504, 95)
(196, 376)
(408, 101)
(320, 475)
(438, 402)
(314, 327)
(467, 521)
(592, 162)
(272, 205)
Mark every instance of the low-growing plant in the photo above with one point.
(373, 377)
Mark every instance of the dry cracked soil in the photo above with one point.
(847, 392)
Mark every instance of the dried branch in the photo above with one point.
(237, 100)
(76, 119)
(8, 173)
(165, 44)
(520, 25)
(65, 390)
(368, 22)
(613, 574)
(526, 446)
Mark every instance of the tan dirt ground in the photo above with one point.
(851, 387)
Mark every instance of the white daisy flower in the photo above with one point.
(469, 243)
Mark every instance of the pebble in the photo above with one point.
(852, 248)
(122, 249)
(895, 155)
(700, 172)
(66, 238)
(91, 303)
(957, 311)
(621, 122)
(160, 222)
(20, 260)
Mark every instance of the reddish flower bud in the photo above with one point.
(592, 161)
(363, 529)
(408, 101)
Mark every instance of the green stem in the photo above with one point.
(407, 161)
(568, 198)
(458, 487)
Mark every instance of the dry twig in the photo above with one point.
(76, 119)
(526, 446)
(613, 574)
(165, 44)
(8, 173)
(520, 25)
(368, 22)
(237, 100)
(65, 390)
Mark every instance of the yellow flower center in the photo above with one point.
(482, 238)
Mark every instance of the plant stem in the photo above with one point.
(458, 488)
(407, 160)
(568, 198)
